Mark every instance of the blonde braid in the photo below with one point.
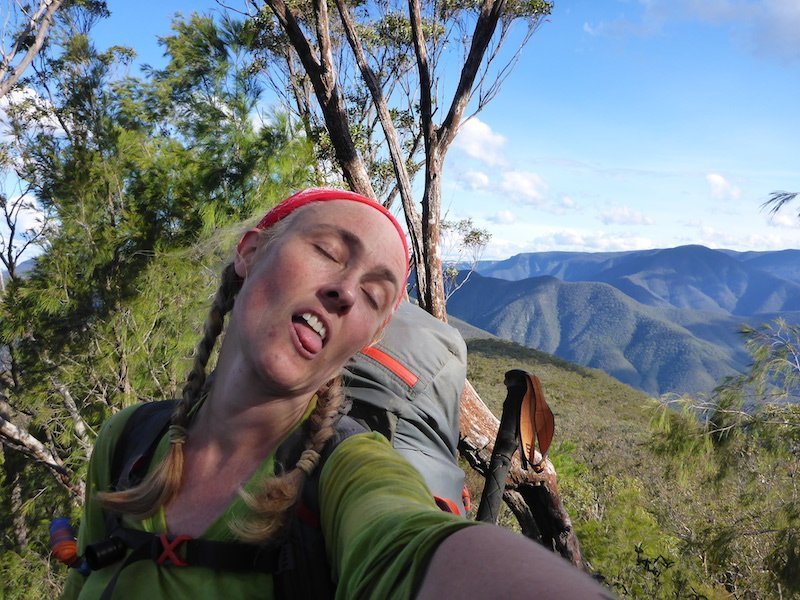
(163, 482)
(273, 503)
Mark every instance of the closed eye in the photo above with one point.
(376, 294)
(326, 253)
(371, 299)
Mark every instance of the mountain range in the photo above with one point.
(664, 321)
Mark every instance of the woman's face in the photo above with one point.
(315, 295)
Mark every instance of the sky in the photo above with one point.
(626, 124)
(640, 124)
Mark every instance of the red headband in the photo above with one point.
(295, 201)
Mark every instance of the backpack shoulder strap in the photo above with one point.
(310, 573)
(137, 442)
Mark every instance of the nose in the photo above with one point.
(339, 296)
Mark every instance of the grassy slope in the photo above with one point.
(619, 490)
(607, 420)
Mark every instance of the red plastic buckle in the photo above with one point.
(466, 498)
(446, 505)
(170, 546)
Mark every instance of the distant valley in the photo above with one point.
(664, 321)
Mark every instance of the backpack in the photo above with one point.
(406, 387)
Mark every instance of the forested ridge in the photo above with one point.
(142, 185)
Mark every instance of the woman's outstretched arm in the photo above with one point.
(386, 538)
(492, 562)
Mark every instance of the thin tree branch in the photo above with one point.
(39, 22)
(485, 26)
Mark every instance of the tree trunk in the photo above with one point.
(533, 497)
(20, 526)
(433, 295)
(387, 125)
(12, 466)
(322, 73)
(81, 430)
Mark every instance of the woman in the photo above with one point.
(314, 282)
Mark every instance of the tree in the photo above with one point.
(23, 34)
(465, 248)
(777, 200)
(23, 225)
(745, 445)
(127, 170)
(377, 72)
(369, 83)
(245, 160)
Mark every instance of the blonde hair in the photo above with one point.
(272, 504)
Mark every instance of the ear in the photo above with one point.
(245, 252)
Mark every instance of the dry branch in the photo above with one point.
(19, 439)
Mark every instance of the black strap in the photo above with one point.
(212, 554)
(310, 575)
(137, 554)
(137, 442)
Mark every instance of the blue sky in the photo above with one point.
(627, 124)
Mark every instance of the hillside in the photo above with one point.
(596, 325)
(664, 320)
(780, 263)
(638, 477)
(693, 277)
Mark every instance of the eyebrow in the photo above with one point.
(354, 242)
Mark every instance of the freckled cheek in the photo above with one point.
(368, 333)
(255, 310)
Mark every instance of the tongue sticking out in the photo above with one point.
(309, 338)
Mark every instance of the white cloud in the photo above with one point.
(621, 27)
(476, 139)
(738, 240)
(474, 180)
(503, 217)
(785, 218)
(592, 241)
(571, 240)
(524, 186)
(721, 188)
(623, 215)
(30, 216)
(568, 202)
(768, 27)
(32, 106)
(774, 29)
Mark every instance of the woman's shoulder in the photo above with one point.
(111, 431)
(115, 424)
(368, 460)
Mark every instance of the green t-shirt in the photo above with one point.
(378, 518)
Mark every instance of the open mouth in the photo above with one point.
(310, 331)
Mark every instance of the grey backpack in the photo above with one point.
(407, 387)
